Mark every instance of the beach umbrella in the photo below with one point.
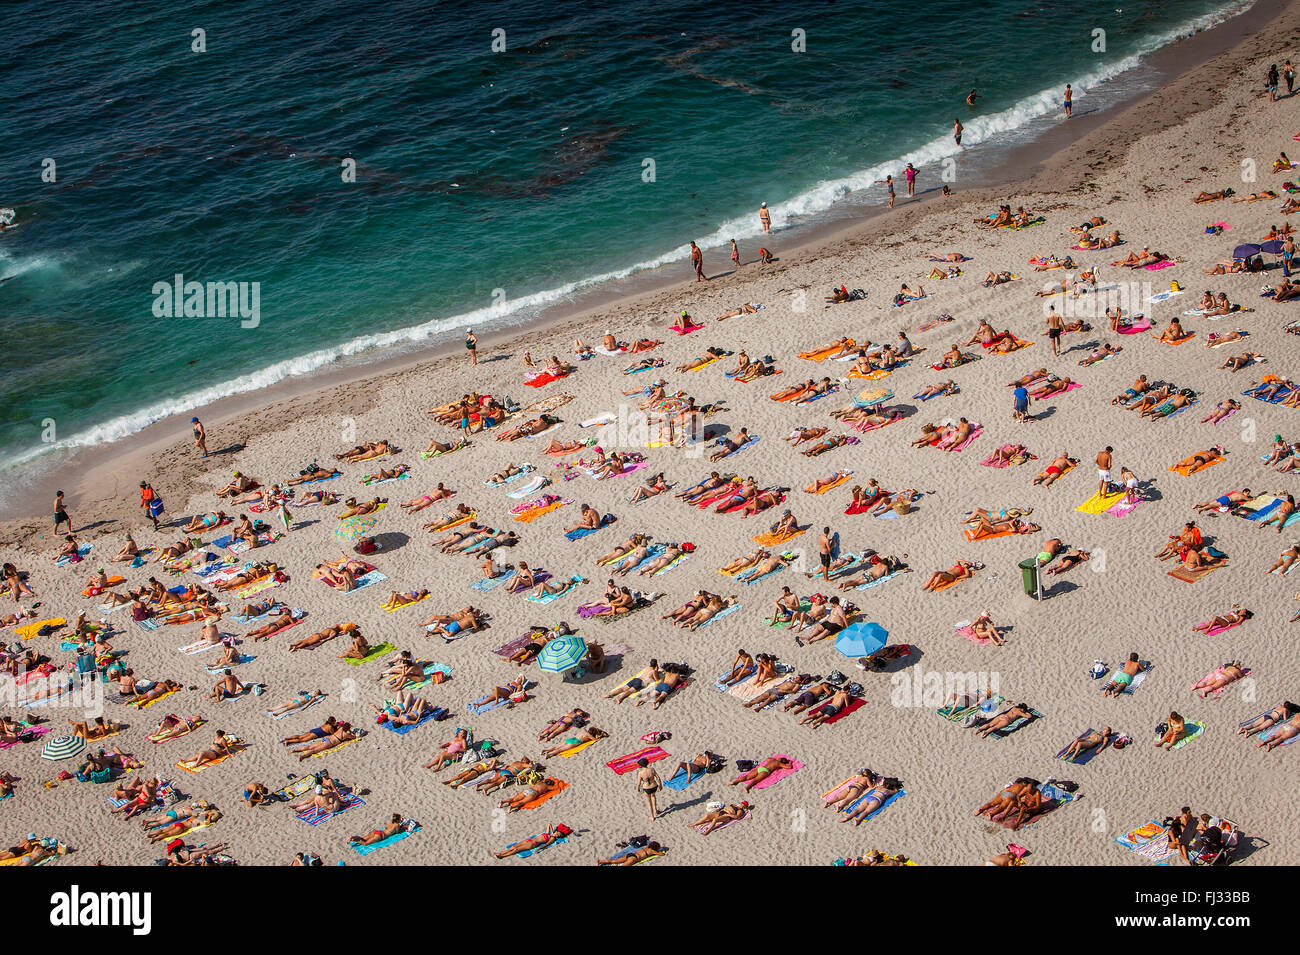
(562, 653)
(1246, 251)
(861, 639)
(872, 396)
(1272, 247)
(63, 747)
(353, 527)
(671, 405)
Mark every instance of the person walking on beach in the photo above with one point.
(61, 513)
(765, 217)
(1020, 402)
(1054, 328)
(648, 784)
(1069, 101)
(910, 174)
(1103, 470)
(1288, 253)
(970, 97)
(471, 345)
(151, 502)
(200, 436)
(889, 184)
(1288, 73)
(735, 254)
(697, 260)
(1272, 83)
(957, 130)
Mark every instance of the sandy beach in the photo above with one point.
(1139, 171)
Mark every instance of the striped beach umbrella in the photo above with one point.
(861, 639)
(351, 528)
(872, 396)
(562, 653)
(63, 747)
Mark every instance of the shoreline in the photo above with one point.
(1048, 166)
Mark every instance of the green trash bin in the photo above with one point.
(1029, 575)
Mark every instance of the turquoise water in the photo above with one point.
(488, 184)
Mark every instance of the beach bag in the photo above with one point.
(1161, 729)
(439, 676)
(902, 507)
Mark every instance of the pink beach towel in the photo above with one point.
(775, 777)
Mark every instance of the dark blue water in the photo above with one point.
(488, 184)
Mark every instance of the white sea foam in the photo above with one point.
(809, 203)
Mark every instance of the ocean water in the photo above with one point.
(488, 184)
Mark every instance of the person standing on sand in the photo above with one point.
(1020, 402)
(1054, 328)
(61, 513)
(151, 502)
(697, 260)
(957, 128)
(648, 784)
(910, 174)
(1103, 470)
(765, 218)
(735, 254)
(1069, 101)
(1288, 73)
(889, 184)
(200, 436)
(471, 345)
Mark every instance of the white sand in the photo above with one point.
(1122, 603)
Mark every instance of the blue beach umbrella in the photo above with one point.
(861, 639)
(1272, 247)
(1246, 251)
(562, 653)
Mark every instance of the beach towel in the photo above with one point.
(1083, 757)
(1245, 672)
(1099, 503)
(1191, 732)
(525, 470)
(986, 707)
(575, 750)
(771, 539)
(430, 669)
(718, 616)
(485, 584)
(687, 330)
(542, 379)
(772, 778)
(236, 747)
(360, 733)
(534, 803)
(305, 706)
(1138, 678)
(1150, 840)
(1041, 392)
(1190, 576)
(314, 815)
(429, 715)
(1135, 328)
(968, 632)
(625, 764)
(398, 837)
(880, 580)
(550, 597)
(582, 532)
(408, 603)
(1184, 467)
(679, 559)
(893, 798)
(853, 706)
(557, 840)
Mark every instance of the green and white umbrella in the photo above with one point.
(351, 528)
(562, 653)
(63, 747)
